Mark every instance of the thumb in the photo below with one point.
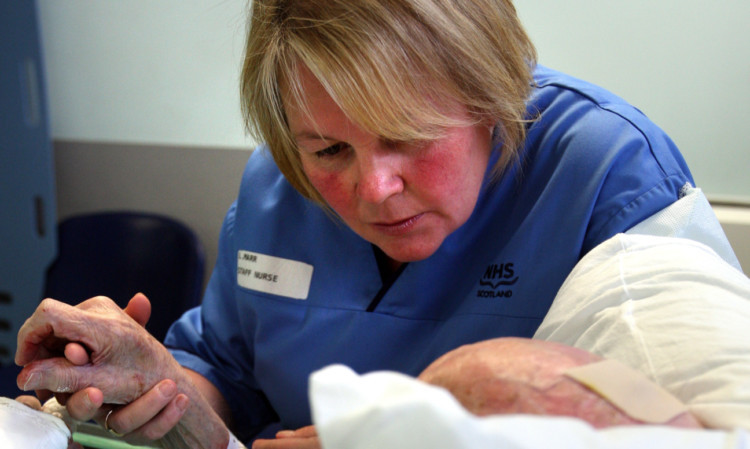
(56, 374)
(139, 309)
(76, 354)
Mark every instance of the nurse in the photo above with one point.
(423, 185)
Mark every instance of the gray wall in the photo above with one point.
(735, 220)
(684, 63)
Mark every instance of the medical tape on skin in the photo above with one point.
(628, 390)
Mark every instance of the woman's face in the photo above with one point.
(404, 198)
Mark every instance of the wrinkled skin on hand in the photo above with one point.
(95, 355)
(124, 359)
(515, 375)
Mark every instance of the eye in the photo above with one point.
(331, 151)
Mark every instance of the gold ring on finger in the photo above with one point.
(109, 429)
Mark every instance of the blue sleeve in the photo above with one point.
(215, 340)
(647, 174)
(607, 164)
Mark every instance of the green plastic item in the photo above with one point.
(97, 442)
(92, 436)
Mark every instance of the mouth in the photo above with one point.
(398, 227)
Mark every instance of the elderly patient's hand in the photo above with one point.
(100, 354)
(124, 359)
(514, 375)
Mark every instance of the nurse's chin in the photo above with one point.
(403, 250)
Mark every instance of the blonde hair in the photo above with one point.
(389, 65)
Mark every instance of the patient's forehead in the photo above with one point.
(513, 360)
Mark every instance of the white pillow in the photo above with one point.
(669, 307)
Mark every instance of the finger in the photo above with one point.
(139, 308)
(57, 375)
(119, 385)
(54, 324)
(85, 404)
(98, 303)
(145, 408)
(165, 421)
(302, 432)
(31, 335)
(30, 401)
(52, 320)
(288, 443)
(76, 354)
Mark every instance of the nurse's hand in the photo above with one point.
(148, 418)
(303, 438)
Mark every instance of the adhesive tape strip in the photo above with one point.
(629, 390)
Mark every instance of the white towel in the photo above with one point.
(23, 427)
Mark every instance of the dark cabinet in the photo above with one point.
(27, 199)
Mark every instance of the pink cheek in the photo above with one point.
(433, 175)
(333, 190)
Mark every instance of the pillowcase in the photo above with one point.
(670, 308)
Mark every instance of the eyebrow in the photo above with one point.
(310, 135)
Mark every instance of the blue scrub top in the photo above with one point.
(592, 166)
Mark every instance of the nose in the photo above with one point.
(379, 177)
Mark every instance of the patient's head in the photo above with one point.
(515, 375)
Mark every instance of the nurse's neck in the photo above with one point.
(389, 272)
(389, 268)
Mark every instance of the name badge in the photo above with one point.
(269, 274)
